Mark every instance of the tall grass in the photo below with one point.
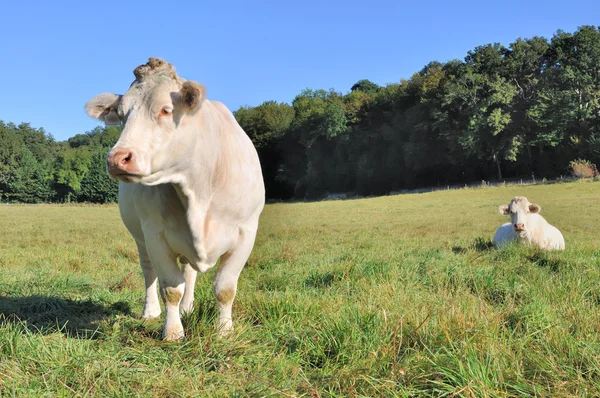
(390, 296)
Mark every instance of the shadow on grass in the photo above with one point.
(479, 245)
(541, 260)
(48, 314)
(322, 280)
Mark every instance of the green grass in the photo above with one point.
(390, 296)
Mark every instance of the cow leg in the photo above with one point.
(189, 275)
(151, 304)
(226, 278)
(172, 286)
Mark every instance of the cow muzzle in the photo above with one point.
(121, 162)
(519, 227)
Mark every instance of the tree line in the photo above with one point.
(502, 112)
(35, 168)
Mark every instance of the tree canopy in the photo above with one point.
(503, 111)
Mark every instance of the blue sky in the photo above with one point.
(57, 55)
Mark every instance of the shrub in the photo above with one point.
(581, 168)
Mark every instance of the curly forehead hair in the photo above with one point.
(519, 199)
(154, 66)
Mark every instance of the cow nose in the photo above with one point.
(519, 227)
(119, 161)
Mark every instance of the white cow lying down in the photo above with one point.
(191, 188)
(527, 226)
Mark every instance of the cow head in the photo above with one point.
(519, 209)
(156, 115)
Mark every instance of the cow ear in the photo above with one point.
(503, 209)
(533, 208)
(104, 108)
(192, 94)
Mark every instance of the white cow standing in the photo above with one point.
(527, 226)
(191, 188)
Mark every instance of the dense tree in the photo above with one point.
(502, 112)
(366, 86)
(71, 166)
(96, 186)
(265, 125)
(23, 176)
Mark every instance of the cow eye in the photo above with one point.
(166, 111)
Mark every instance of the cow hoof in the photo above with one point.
(186, 308)
(150, 314)
(225, 333)
(173, 336)
(225, 328)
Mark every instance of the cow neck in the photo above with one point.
(194, 187)
(196, 209)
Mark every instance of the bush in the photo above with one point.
(581, 168)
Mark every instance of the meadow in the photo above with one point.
(389, 296)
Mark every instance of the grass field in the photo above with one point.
(390, 296)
